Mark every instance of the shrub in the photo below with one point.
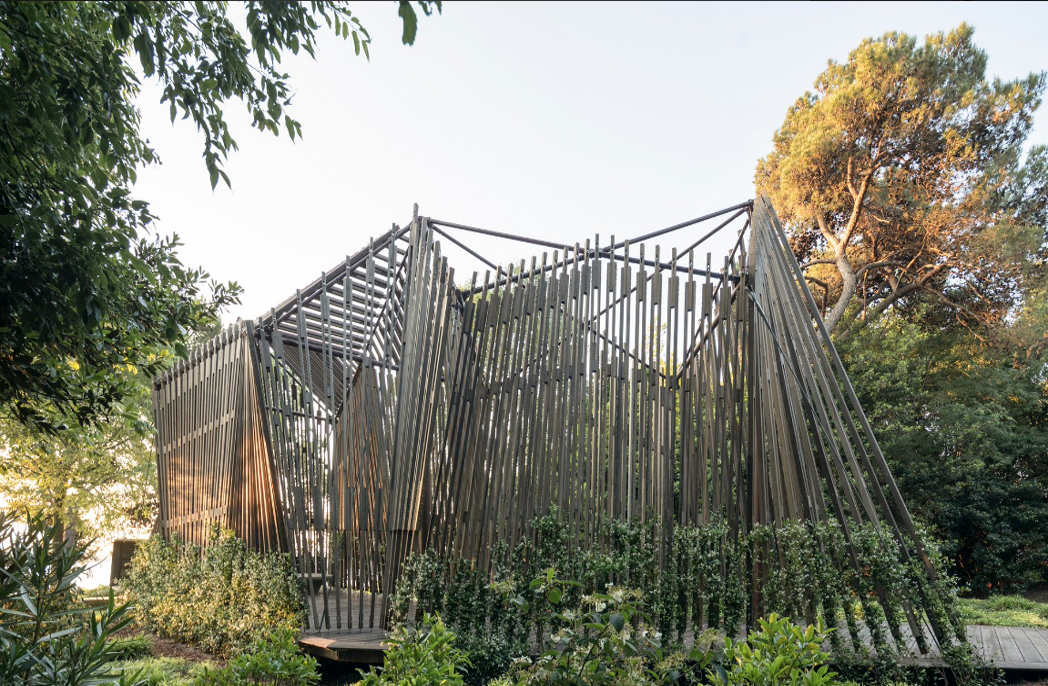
(777, 654)
(274, 661)
(47, 634)
(426, 656)
(489, 627)
(606, 639)
(220, 598)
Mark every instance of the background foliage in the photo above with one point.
(98, 479)
(904, 178)
(964, 424)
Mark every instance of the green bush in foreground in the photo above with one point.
(778, 654)
(221, 597)
(608, 639)
(273, 661)
(421, 657)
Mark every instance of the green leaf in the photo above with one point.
(407, 14)
(144, 48)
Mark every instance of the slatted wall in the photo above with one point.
(212, 457)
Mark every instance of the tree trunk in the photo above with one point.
(848, 285)
(70, 527)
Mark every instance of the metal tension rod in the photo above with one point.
(738, 208)
(462, 245)
(500, 234)
(741, 207)
(709, 234)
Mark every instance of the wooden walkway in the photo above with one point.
(1010, 648)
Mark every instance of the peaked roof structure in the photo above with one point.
(386, 410)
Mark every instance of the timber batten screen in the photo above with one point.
(386, 410)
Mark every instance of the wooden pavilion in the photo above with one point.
(386, 409)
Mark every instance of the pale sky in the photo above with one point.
(553, 120)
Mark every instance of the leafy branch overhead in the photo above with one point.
(88, 290)
(202, 59)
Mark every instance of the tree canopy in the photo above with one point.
(88, 287)
(98, 479)
(902, 177)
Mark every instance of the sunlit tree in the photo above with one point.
(903, 177)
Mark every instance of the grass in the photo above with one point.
(161, 671)
(135, 659)
(998, 610)
(1004, 610)
(131, 647)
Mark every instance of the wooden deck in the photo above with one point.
(1010, 648)
(1013, 648)
(361, 646)
(356, 635)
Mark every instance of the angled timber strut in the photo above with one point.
(387, 409)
